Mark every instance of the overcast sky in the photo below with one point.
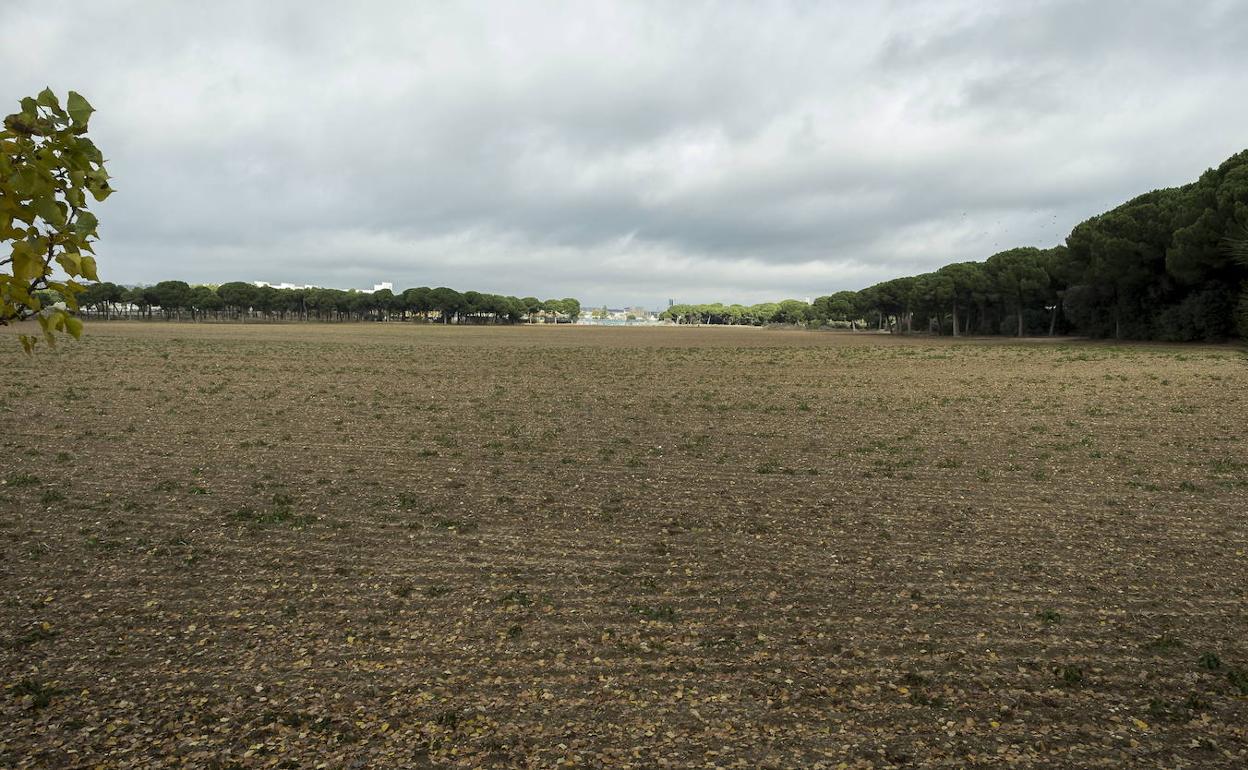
(624, 153)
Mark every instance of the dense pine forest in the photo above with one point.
(1171, 264)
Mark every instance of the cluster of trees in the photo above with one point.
(1018, 291)
(244, 301)
(790, 311)
(1169, 265)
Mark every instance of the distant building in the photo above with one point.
(628, 316)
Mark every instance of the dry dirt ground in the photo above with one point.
(402, 546)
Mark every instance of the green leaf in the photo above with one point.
(73, 326)
(75, 197)
(101, 193)
(86, 223)
(79, 109)
(46, 206)
(48, 99)
(27, 181)
(27, 265)
(70, 262)
(91, 152)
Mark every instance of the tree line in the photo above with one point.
(240, 301)
(1171, 265)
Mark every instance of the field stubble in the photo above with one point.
(251, 546)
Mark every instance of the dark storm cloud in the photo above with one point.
(625, 152)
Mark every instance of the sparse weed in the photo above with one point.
(22, 480)
(664, 612)
(1049, 616)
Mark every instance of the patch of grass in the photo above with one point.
(1049, 616)
(1161, 711)
(407, 500)
(1226, 465)
(1071, 676)
(448, 718)
(1238, 679)
(22, 480)
(1210, 661)
(280, 513)
(1163, 643)
(517, 597)
(662, 612)
(40, 694)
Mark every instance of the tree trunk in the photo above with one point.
(955, 319)
(1020, 320)
(1053, 321)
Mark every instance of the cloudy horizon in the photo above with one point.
(624, 153)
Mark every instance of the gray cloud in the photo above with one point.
(625, 152)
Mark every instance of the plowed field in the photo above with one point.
(403, 546)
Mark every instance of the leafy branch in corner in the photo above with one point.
(48, 171)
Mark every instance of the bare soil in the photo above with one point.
(405, 546)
